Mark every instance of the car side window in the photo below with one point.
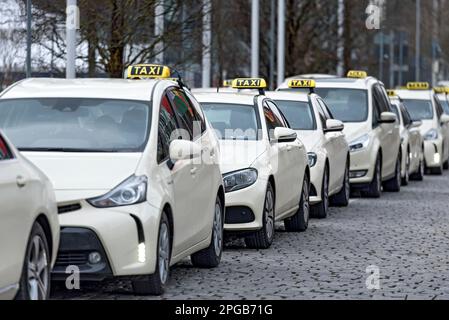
(5, 152)
(199, 114)
(167, 126)
(328, 115)
(376, 109)
(406, 116)
(439, 107)
(273, 118)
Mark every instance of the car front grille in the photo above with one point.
(71, 259)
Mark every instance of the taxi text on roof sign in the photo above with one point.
(440, 90)
(150, 71)
(357, 74)
(249, 83)
(418, 86)
(299, 83)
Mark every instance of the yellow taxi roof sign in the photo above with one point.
(249, 83)
(391, 93)
(227, 83)
(418, 86)
(302, 83)
(440, 90)
(357, 74)
(148, 71)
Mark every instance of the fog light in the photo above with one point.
(357, 174)
(437, 158)
(142, 256)
(94, 257)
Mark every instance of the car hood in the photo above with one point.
(237, 155)
(354, 131)
(82, 176)
(309, 138)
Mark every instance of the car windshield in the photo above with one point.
(347, 105)
(419, 109)
(76, 124)
(299, 114)
(232, 121)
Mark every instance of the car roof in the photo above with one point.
(287, 95)
(82, 88)
(344, 83)
(414, 94)
(246, 98)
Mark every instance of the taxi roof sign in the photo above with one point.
(418, 86)
(148, 71)
(249, 83)
(357, 74)
(441, 90)
(391, 93)
(302, 83)
(227, 83)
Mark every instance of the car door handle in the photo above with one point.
(21, 182)
(194, 171)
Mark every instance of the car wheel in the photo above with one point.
(300, 221)
(446, 165)
(155, 284)
(35, 279)
(341, 199)
(211, 256)
(437, 171)
(419, 175)
(394, 184)
(406, 178)
(320, 210)
(375, 188)
(263, 238)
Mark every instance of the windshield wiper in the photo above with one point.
(68, 150)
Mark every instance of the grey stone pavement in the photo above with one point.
(405, 235)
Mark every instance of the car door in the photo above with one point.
(414, 138)
(388, 134)
(14, 216)
(287, 167)
(444, 127)
(196, 184)
(337, 150)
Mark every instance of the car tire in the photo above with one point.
(406, 179)
(341, 199)
(263, 238)
(446, 165)
(375, 187)
(211, 256)
(394, 184)
(155, 284)
(320, 210)
(35, 282)
(419, 175)
(300, 221)
(437, 171)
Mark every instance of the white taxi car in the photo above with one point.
(264, 165)
(412, 142)
(327, 148)
(371, 130)
(422, 104)
(135, 169)
(29, 227)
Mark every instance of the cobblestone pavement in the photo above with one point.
(405, 235)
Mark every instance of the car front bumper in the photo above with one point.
(362, 167)
(433, 153)
(125, 237)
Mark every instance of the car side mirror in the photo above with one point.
(285, 134)
(444, 119)
(416, 124)
(388, 118)
(333, 125)
(184, 150)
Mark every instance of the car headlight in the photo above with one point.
(431, 135)
(132, 191)
(240, 180)
(360, 143)
(313, 158)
